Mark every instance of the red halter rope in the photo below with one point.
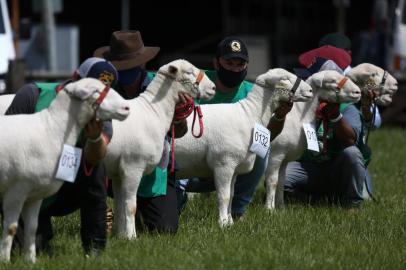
(325, 116)
(182, 111)
(100, 99)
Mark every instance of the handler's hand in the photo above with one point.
(283, 109)
(93, 129)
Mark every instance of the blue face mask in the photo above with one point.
(128, 76)
(231, 78)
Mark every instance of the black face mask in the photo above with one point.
(231, 78)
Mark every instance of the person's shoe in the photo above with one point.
(94, 248)
(352, 210)
(42, 244)
(238, 216)
(94, 253)
(109, 221)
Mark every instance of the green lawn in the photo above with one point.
(296, 237)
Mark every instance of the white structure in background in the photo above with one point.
(7, 51)
(67, 49)
(397, 50)
(50, 47)
(259, 54)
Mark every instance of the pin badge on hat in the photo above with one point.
(235, 46)
(107, 78)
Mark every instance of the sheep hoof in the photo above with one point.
(270, 207)
(30, 258)
(226, 222)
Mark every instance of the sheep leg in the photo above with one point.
(12, 205)
(271, 182)
(223, 178)
(279, 198)
(230, 218)
(29, 215)
(127, 198)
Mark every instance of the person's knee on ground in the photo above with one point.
(195, 185)
(352, 155)
(294, 180)
(155, 225)
(353, 177)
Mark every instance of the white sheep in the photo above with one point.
(31, 145)
(223, 152)
(5, 101)
(368, 76)
(291, 142)
(137, 145)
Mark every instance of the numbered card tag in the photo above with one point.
(261, 140)
(311, 137)
(69, 163)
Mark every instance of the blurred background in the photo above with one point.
(46, 40)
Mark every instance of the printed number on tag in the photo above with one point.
(311, 137)
(261, 139)
(69, 163)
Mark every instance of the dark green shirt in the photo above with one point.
(240, 93)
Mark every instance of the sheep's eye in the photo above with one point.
(96, 94)
(189, 72)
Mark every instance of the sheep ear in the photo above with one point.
(272, 80)
(317, 79)
(83, 93)
(173, 70)
(80, 91)
(367, 75)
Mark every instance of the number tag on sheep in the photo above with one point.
(69, 163)
(311, 137)
(261, 140)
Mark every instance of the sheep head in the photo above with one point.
(111, 106)
(192, 80)
(331, 86)
(287, 85)
(373, 78)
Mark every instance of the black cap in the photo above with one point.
(232, 47)
(337, 39)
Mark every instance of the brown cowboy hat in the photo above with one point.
(126, 50)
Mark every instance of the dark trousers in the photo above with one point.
(159, 213)
(338, 180)
(88, 193)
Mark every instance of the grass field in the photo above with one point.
(296, 237)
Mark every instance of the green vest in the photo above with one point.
(334, 147)
(46, 95)
(153, 184)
